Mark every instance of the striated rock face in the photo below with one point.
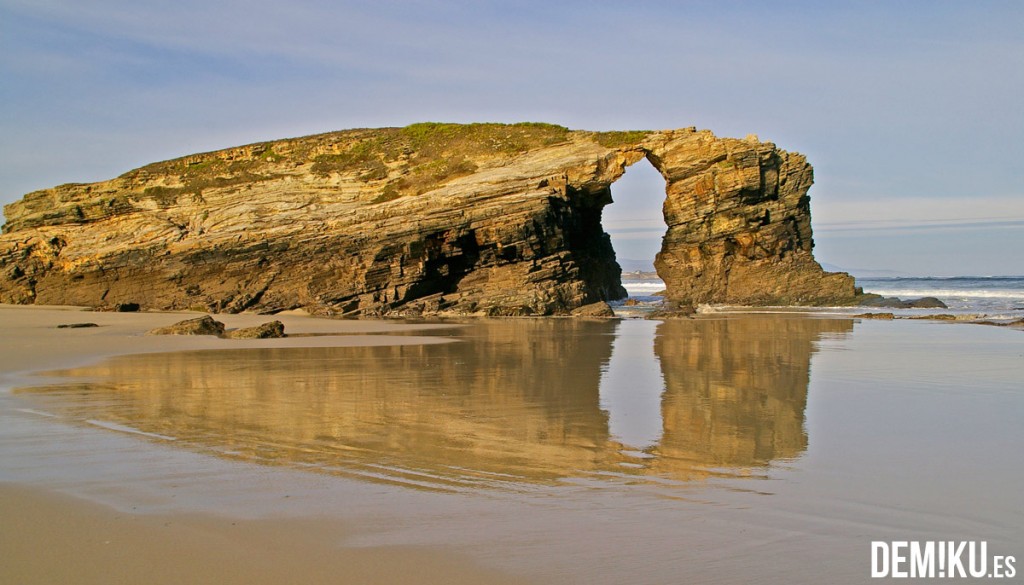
(205, 325)
(271, 330)
(484, 219)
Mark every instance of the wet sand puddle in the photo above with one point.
(515, 402)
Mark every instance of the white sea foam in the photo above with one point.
(643, 286)
(952, 293)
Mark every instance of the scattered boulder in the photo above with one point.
(205, 325)
(271, 330)
(872, 300)
(927, 303)
(673, 312)
(896, 303)
(598, 309)
(126, 308)
(76, 325)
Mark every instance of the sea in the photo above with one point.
(981, 294)
(992, 296)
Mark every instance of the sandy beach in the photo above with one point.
(48, 536)
(722, 449)
(32, 340)
(53, 538)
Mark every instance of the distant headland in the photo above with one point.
(429, 219)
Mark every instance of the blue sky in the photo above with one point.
(909, 111)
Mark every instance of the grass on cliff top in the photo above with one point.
(619, 138)
(423, 156)
(413, 159)
(429, 139)
(426, 140)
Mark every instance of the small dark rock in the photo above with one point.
(598, 309)
(927, 303)
(895, 303)
(126, 308)
(271, 330)
(680, 312)
(76, 325)
(205, 325)
(884, 302)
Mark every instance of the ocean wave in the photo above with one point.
(644, 286)
(941, 278)
(951, 293)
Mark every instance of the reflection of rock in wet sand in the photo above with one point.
(518, 400)
(735, 389)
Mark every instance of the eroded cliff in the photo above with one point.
(432, 218)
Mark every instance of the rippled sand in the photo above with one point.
(732, 448)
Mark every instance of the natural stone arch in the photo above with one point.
(484, 219)
(738, 222)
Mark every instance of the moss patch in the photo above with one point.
(618, 138)
(416, 158)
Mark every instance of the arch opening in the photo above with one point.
(635, 222)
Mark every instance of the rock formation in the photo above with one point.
(271, 330)
(486, 219)
(205, 325)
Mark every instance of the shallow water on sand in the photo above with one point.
(734, 448)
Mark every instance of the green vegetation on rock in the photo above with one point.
(619, 138)
(410, 160)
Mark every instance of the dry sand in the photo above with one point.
(51, 537)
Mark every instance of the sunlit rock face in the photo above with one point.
(484, 219)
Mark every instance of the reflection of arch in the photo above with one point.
(736, 388)
(632, 386)
(518, 401)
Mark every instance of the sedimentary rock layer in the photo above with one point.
(432, 218)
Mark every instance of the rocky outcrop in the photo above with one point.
(271, 330)
(484, 219)
(878, 301)
(599, 309)
(205, 325)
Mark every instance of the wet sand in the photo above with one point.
(727, 449)
(31, 340)
(47, 536)
(50, 538)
